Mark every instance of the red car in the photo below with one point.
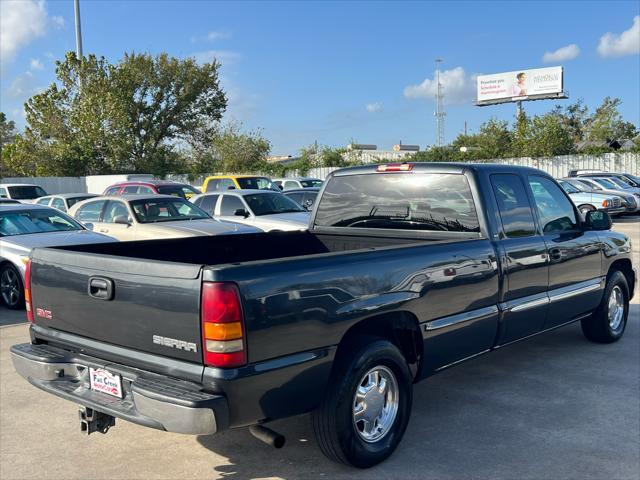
(164, 187)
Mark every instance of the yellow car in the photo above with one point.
(219, 183)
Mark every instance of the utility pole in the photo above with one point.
(439, 113)
(76, 9)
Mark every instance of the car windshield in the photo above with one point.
(184, 191)
(73, 200)
(568, 187)
(165, 210)
(271, 203)
(257, 183)
(620, 182)
(605, 182)
(26, 192)
(634, 178)
(314, 182)
(38, 220)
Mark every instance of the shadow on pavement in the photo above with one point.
(11, 317)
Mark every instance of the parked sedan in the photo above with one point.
(303, 196)
(146, 217)
(24, 227)
(298, 182)
(589, 202)
(160, 187)
(23, 192)
(64, 201)
(606, 187)
(268, 211)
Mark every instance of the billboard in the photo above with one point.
(534, 84)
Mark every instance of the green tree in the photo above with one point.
(8, 135)
(607, 123)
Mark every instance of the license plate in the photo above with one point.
(105, 382)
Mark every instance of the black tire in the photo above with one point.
(583, 209)
(601, 327)
(11, 287)
(333, 422)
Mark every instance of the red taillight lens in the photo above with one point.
(395, 167)
(223, 339)
(27, 291)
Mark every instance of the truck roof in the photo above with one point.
(436, 167)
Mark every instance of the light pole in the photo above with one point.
(76, 9)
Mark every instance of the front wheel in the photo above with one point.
(607, 323)
(367, 404)
(586, 208)
(11, 287)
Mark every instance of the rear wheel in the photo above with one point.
(586, 208)
(367, 404)
(11, 287)
(607, 323)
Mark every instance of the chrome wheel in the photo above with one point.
(10, 287)
(375, 404)
(616, 308)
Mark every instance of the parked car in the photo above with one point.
(610, 184)
(397, 279)
(264, 210)
(24, 227)
(145, 217)
(158, 187)
(630, 201)
(23, 192)
(7, 201)
(633, 180)
(220, 183)
(589, 201)
(303, 196)
(64, 201)
(297, 183)
(623, 184)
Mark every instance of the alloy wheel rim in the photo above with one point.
(9, 287)
(375, 404)
(616, 308)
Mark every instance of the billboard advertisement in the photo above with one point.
(520, 85)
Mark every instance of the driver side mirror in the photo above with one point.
(241, 212)
(122, 220)
(598, 220)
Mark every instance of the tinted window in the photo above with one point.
(90, 212)
(269, 203)
(43, 201)
(131, 189)
(257, 183)
(59, 204)
(513, 205)
(113, 210)
(26, 192)
(230, 204)
(145, 190)
(165, 209)
(554, 208)
(112, 191)
(184, 191)
(567, 187)
(72, 201)
(311, 183)
(37, 220)
(208, 203)
(296, 197)
(420, 201)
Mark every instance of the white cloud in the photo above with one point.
(35, 64)
(625, 43)
(457, 87)
(373, 107)
(58, 21)
(225, 57)
(212, 36)
(20, 23)
(24, 86)
(562, 54)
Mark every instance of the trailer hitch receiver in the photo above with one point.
(94, 421)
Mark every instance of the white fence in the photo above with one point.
(555, 166)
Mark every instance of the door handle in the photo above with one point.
(555, 254)
(100, 288)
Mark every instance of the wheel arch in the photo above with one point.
(624, 265)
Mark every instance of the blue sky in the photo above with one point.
(339, 71)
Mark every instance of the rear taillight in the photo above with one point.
(395, 167)
(223, 339)
(27, 291)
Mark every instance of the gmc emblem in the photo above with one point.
(42, 313)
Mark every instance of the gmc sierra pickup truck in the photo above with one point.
(406, 269)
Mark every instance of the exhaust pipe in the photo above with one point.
(267, 436)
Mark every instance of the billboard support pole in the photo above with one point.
(519, 109)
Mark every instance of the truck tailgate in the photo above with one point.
(149, 306)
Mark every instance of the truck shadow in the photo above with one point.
(537, 406)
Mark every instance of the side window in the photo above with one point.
(230, 204)
(208, 203)
(296, 197)
(212, 185)
(227, 184)
(3, 193)
(145, 190)
(43, 201)
(554, 208)
(513, 205)
(90, 212)
(113, 210)
(112, 191)
(131, 189)
(290, 184)
(59, 204)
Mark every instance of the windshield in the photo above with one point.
(314, 182)
(257, 183)
(184, 191)
(635, 179)
(437, 202)
(569, 188)
(26, 192)
(165, 210)
(620, 182)
(271, 203)
(73, 200)
(38, 220)
(607, 184)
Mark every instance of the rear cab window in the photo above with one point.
(513, 206)
(435, 202)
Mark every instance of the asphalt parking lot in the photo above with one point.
(555, 407)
